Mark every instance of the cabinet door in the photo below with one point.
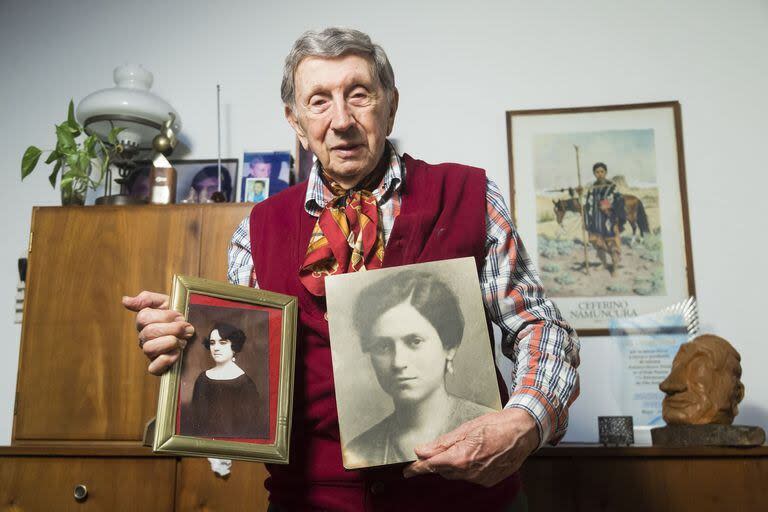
(198, 488)
(81, 376)
(113, 484)
(218, 225)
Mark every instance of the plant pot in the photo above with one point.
(73, 194)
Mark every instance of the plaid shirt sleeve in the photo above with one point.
(543, 348)
(239, 262)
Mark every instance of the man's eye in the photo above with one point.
(359, 98)
(318, 103)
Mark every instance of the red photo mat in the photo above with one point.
(274, 334)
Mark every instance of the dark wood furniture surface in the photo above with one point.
(586, 478)
(83, 394)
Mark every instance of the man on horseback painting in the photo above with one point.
(604, 217)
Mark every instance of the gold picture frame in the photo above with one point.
(192, 419)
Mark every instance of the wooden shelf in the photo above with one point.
(597, 450)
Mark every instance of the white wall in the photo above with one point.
(459, 67)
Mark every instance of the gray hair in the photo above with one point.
(335, 42)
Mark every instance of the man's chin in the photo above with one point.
(349, 169)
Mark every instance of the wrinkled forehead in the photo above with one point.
(314, 72)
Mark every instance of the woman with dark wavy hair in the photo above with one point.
(411, 326)
(225, 401)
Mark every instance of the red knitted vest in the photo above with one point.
(442, 216)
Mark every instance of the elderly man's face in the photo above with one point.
(342, 114)
(697, 393)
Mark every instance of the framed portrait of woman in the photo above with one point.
(412, 357)
(229, 394)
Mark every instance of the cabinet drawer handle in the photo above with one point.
(81, 493)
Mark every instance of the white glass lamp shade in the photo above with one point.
(130, 105)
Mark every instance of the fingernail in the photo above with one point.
(181, 343)
(189, 330)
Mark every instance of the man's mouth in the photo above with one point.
(346, 149)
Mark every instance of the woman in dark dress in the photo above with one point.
(225, 401)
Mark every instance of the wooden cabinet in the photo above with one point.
(115, 483)
(124, 478)
(81, 377)
(199, 489)
(83, 392)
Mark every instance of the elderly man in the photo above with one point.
(340, 97)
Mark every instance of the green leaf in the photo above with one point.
(72, 123)
(113, 133)
(65, 138)
(72, 160)
(53, 157)
(84, 163)
(29, 160)
(65, 181)
(71, 113)
(89, 146)
(52, 177)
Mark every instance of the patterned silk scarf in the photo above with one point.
(347, 236)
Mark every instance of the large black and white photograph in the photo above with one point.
(411, 357)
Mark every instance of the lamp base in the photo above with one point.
(119, 199)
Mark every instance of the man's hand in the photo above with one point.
(485, 450)
(162, 332)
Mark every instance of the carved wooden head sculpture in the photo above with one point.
(704, 385)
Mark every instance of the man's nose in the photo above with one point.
(342, 117)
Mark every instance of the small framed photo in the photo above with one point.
(411, 357)
(275, 167)
(230, 393)
(256, 190)
(599, 196)
(198, 180)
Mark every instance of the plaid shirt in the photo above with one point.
(543, 349)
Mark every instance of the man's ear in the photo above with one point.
(290, 116)
(394, 100)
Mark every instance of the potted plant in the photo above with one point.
(75, 160)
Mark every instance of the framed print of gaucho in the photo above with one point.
(229, 395)
(411, 357)
(599, 196)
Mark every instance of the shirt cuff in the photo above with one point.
(543, 409)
